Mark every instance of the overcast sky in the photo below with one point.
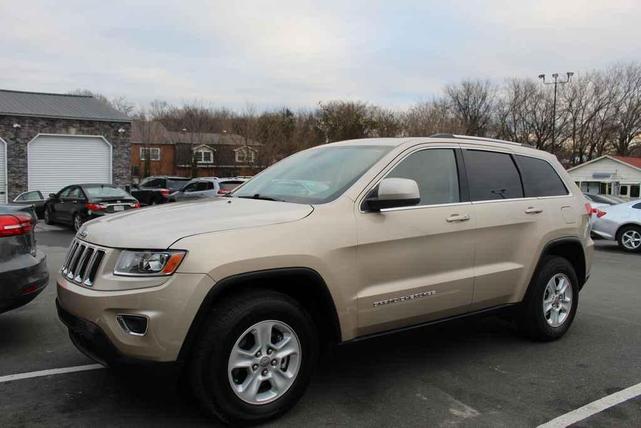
(297, 53)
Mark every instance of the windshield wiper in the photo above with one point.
(261, 197)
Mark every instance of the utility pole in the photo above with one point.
(555, 82)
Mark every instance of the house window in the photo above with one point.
(245, 155)
(151, 153)
(204, 156)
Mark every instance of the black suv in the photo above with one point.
(156, 190)
(23, 268)
(78, 203)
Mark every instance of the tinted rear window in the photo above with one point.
(492, 175)
(539, 178)
(176, 184)
(229, 185)
(105, 192)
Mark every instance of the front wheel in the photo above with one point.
(629, 238)
(551, 301)
(255, 357)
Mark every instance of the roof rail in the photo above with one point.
(470, 137)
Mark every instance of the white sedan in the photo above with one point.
(621, 223)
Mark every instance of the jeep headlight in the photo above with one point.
(148, 263)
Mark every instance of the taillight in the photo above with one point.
(598, 212)
(136, 205)
(164, 193)
(95, 207)
(588, 208)
(15, 224)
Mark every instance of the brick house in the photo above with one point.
(48, 141)
(156, 151)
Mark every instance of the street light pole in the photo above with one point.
(556, 82)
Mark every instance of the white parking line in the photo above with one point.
(20, 376)
(594, 407)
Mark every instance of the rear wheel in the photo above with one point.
(551, 301)
(77, 222)
(255, 357)
(48, 216)
(629, 238)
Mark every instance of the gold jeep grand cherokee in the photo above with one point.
(335, 243)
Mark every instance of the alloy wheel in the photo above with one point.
(557, 300)
(77, 222)
(631, 239)
(264, 362)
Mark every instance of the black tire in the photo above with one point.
(48, 216)
(76, 222)
(620, 237)
(226, 323)
(531, 317)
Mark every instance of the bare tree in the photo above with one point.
(472, 104)
(345, 120)
(122, 104)
(627, 115)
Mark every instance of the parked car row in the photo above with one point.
(75, 204)
(160, 190)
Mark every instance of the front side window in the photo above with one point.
(191, 187)
(204, 156)
(539, 178)
(435, 172)
(314, 176)
(492, 175)
(151, 153)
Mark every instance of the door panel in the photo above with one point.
(415, 266)
(506, 238)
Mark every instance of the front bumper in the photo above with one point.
(91, 317)
(21, 283)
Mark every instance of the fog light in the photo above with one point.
(135, 325)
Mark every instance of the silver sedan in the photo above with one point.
(621, 223)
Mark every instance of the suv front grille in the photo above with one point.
(82, 263)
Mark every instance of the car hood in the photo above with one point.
(160, 226)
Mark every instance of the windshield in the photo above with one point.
(105, 192)
(313, 176)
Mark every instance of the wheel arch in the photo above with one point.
(314, 296)
(572, 250)
(617, 235)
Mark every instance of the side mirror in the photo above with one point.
(394, 193)
(52, 195)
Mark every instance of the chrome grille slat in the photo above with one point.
(87, 269)
(74, 261)
(82, 263)
(72, 249)
(80, 270)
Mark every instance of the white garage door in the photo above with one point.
(57, 161)
(3, 172)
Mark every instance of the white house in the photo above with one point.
(609, 175)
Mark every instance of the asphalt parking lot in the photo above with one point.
(466, 373)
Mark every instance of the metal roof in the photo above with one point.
(62, 106)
